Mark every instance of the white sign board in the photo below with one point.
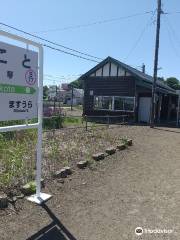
(21, 94)
(18, 83)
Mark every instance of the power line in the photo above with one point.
(62, 76)
(149, 23)
(51, 42)
(72, 54)
(71, 49)
(172, 30)
(169, 31)
(94, 23)
(59, 79)
(52, 78)
(170, 13)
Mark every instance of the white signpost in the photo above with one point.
(21, 94)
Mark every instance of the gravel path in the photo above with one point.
(138, 187)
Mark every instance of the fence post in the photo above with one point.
(86, 122)
(108, 120)
(54, 127)
(177, 121)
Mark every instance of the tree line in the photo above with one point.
(173, 83)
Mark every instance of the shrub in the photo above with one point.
(55, 122)
(68, 121)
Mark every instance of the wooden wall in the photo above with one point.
(106, 86)
(110, 70)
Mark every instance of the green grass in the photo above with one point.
(55, 122)
(72, 121)
(78, 107)
(15, 153)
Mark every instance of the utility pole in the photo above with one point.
(153, 102)
(143, 68)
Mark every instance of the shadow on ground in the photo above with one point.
(167, 130)
(54, 231)
(161, 126)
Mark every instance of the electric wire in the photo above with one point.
(169, 31)
(94, 23)
(172, 30)
(148, 24)
(72, 54)
(51, 42)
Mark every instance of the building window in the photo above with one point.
(103, 103)
(118, 103)
(114, 103)
(124, 104)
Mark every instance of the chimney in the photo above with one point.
(143, 68)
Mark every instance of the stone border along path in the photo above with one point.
(29, 188)
(97, 157)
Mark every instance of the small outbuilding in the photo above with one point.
(78, 95)
(114, 88)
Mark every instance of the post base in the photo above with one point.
(39, 200)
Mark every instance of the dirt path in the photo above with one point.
(139, 187)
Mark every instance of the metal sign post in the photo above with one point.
(21, 94)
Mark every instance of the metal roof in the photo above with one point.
(138, 74)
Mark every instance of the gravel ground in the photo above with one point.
(138, 187)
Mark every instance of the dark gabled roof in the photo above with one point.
(138, 74)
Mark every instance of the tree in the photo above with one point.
(77, 84)
(161, 79)
(45, 92)
(173, 83)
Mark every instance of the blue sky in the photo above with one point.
(114, 39)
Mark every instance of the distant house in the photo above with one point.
(52, 91)
(64, 94)
(114, 88)
(61, 95)
(78, 95)
(65, 86)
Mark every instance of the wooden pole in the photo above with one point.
(86, 122)
(72, 93)
(55, 98)
(108, 120)
(169, 108)
(153, 102)
(143, 68)
(177, 121)
(159, 108)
